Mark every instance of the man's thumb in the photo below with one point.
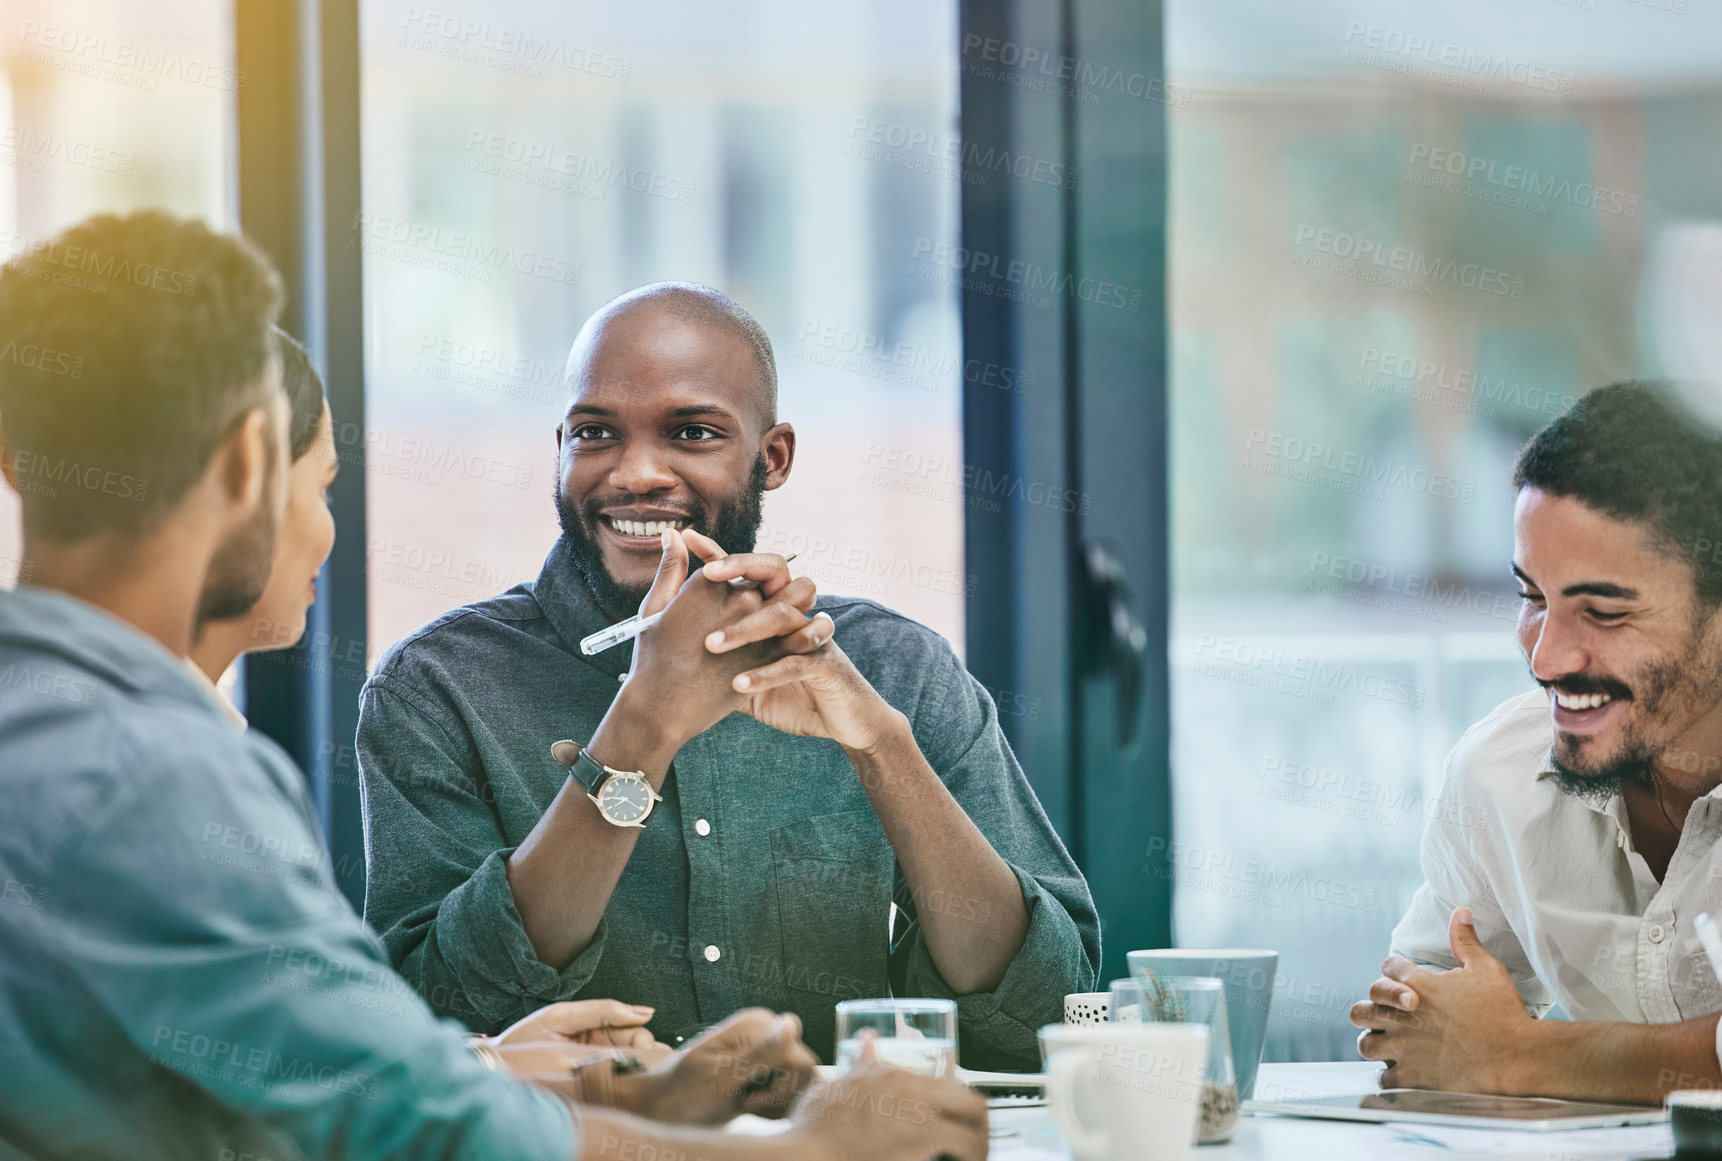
(1462, 938)
(672, 572)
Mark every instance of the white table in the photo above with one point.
(1027, 1133)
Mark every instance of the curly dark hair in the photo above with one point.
(130, 347)
(1637, 451)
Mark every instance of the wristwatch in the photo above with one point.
(623, 797)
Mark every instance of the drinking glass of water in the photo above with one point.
(918, 1036)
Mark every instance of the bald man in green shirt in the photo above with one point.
(748, 804)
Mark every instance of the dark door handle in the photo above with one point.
(1117, 640)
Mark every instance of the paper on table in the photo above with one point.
(1625, 1141)
(752, 1126)
(1012, 1149)
(1009, 1147)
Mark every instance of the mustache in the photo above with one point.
(1578, 684)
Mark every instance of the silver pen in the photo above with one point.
(632, 627)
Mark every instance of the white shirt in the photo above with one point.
(214, 691)
(1558, 892)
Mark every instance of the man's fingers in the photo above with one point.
(1462, 938)
(739, 1031)
(788, 1063)
(801, 592)
(775, 1102)
(958, 1141)
(672, 573)
(775, 619)
(811, 637)
(1373, 1045)
(766, 569)
(962, 1122)
(653, 1052)
(702, 545)
(612, 1013)
(1399, 970)
(576, 1018)
(964, 1106)
(783, 671)
(1390, 993)
(618, 1037)
(1365, 1014)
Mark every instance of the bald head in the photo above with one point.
(686, 303)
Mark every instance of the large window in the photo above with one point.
(110, 105)
(524, 162)
(1403, 237)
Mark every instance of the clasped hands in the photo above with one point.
(1463, 1030)
(722, 648)
(753, 1062)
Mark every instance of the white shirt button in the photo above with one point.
(1656, 933)
(702, 827)
(712, 953)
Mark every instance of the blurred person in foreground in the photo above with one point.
(178, 975)
(1576, 836)
(747, 803)
(554, 1038)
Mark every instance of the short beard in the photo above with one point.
(735, 526)
(1635, 765)
(239, 572)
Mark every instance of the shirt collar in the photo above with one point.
(94, 639)
(573, 611)
(214, 693)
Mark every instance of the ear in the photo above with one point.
(8, 468)
(778, 447)
(559, 438)
(241, 464)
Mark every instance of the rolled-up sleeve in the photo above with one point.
(209, 925)
(437, 878)
(1006, 1021)
(956, 725)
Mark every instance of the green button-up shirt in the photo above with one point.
(764, 877)
(179, 978)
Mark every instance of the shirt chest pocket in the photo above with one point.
(834, 879)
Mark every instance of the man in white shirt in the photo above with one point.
(1577, 835)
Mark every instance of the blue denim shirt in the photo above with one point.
(179, 978)
(764, 877)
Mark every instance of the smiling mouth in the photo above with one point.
(644, 528)
(1581, 701)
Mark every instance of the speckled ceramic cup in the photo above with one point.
(1087, 1007)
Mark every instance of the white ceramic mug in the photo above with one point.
(1087, 1007)
(1125, 1092)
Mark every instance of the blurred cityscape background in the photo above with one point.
(1402, 237)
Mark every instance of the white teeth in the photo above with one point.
(643, 527)
(1581, 701)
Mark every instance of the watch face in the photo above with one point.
(625, 799)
